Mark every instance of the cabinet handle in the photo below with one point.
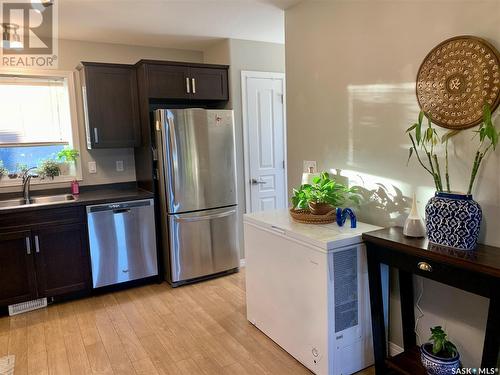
(424, 266)
(37, 244)
(187, 85)
(28, 245)
(96, 136)
(193, 83)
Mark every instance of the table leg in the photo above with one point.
(492, 338)
(377, 311)
(407, 309)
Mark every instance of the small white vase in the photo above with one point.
(413, 225)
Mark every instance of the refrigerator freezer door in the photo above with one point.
(196, 158)
(203, 243)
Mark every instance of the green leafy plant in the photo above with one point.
(48, 168)
(441, 346)
(488, 137)
(323, 190)
(425, 140)
(21, 168)
(3, 170)
(68, 155)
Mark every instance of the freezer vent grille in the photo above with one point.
(345, 270)
(23, 307)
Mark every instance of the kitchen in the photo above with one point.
(135, 256)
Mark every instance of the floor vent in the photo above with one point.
(7, 364)
(23, 307)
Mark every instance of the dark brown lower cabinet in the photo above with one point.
(17, 273)
(44, 254)
(61, 259)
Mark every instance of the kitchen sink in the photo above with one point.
(52, 199)
(12, 203)
(49, 199)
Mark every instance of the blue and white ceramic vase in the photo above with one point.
(453, 220)
(437, 365)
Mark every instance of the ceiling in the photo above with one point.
(186, 24)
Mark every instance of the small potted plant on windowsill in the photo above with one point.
(48, 168)
(67, 157)
(323, 195)
(3, 170)
(440, 356)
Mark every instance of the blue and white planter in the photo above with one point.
(453, 220)
(437, 365)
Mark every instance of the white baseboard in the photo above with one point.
(242, 263)
(394, 349)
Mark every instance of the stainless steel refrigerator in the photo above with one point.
(196, 171)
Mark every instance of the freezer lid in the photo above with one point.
(197, 159)
(326, 237)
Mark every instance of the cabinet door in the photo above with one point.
(17, 275)
(112, 113)
(208, 83)
(168, 82)
(61, 259)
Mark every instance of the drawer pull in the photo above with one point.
(424, 266)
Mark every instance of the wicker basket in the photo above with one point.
(306, 217)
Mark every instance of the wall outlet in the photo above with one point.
(92, 167)
(308, 164)
(119, 166)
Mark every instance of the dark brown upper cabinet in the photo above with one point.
(185, 81)
(208, 83)
(166, 81)
(111, 106)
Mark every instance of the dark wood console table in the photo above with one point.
(476, 272)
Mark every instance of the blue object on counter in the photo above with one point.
(342, 216)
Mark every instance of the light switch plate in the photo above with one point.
(92, 167)
(310, 163)
(119, 166)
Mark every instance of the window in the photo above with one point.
(36, 123)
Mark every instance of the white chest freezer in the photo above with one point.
(307, 289)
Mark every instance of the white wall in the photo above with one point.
(244, 55)
(70, 54)
(351, 68)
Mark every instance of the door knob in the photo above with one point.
(259, 181)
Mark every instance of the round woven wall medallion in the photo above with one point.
(456, 79)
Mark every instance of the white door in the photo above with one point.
(265, 147)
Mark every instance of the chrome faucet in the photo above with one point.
(26, 185)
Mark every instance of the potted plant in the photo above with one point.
(48, 168)
(323, 195)
(453, 219)
(439, 356)
(66, 157)
(21, 168)
(3, 170)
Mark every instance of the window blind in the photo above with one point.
(34, 110)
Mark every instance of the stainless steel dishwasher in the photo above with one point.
(122, 240)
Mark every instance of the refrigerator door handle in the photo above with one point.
(205, 217)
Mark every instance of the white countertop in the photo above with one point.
(324, 236)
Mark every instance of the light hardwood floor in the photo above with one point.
(154, 329)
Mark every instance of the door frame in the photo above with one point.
(245, 75)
